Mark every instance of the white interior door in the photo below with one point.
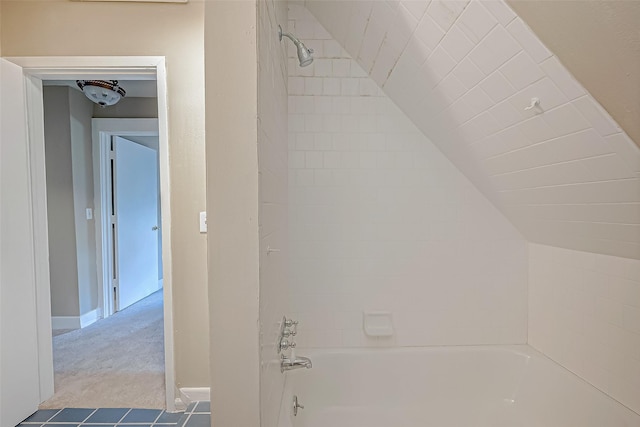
(19, 377)
(136, 202)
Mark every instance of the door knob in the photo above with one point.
(154, 228)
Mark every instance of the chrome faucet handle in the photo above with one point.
(293, 325)
(285, 344)
(290, 322)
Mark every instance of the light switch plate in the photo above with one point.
(203, 222)
(89, 213)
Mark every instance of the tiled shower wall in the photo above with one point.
(584, 313)
(273, 171)
(381, 220)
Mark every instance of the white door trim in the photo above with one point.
(72, 68)
(102, 131)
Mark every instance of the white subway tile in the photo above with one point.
(416, 7)
(496, 49)
(312, 86)
(312, 123)
(331, 86)
(500, 10)
(295, 86)
(450, 88)
(596, 115)
(547, 92)
(321, 67)
(332, 49)
(476, 21)
(313, 160)
(456, 44)
(626, 149)
(350, 86)
(417, 51)
(296, 159)
(528, 40)
(608, 167)
(331, 160)
(505, 114)
(497, 87)
(445, 12)
(562, 78)
(477, 100)
(428, 32)
(322, 142)
(468, 73)
(341, 67)
(521, 71)
(304, 141)
(367, 87)
(438, 65)
(565, 119)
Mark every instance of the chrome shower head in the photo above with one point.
(305, 56)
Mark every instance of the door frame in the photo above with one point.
(35, 70)
(102, 130)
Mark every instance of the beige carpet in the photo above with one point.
(117, 362)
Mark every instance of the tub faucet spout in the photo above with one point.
(289, 364)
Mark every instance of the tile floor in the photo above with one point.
(198, 414)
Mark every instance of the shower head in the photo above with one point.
(305, 56)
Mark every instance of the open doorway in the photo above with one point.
(29, 74)
(99, 360)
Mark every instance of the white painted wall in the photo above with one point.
(273, 196)
(381, 220)
(584, 313)
(464, 71)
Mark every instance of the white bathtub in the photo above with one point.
(492, 386)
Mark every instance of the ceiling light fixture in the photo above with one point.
(102, 92)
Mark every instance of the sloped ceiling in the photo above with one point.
(599, 42)
(466, 73)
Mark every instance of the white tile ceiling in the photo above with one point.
(465, 72)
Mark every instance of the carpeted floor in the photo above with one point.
(117, 362)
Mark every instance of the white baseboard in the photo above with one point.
(193, 394)
(65, 322)
(75, 322)
(90, 318)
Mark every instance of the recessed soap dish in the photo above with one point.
(378, 323)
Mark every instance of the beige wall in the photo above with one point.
(63, 268)
(232, 211)
(599, 42)
(133, 108)
(80, 112)
(33, 28)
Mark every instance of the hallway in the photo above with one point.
(117, 362)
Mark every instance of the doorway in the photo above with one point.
(34, 71)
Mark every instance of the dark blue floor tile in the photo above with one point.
(182, 420)
(60, 425)
(168, 417)
(203, 407)
(133, 425)
(107, 415)
(74, 415)
(42, 415)
(32, 424)
(191, 406)
(141, 416)
(199, 420)
(98, 425)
